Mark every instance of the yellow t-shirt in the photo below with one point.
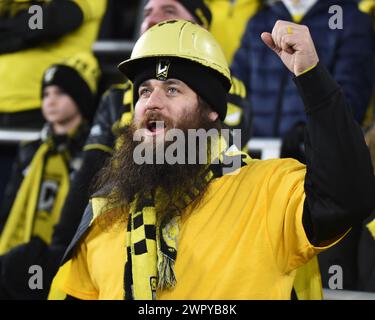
(229, 21)
(21, 72)
(244, 241)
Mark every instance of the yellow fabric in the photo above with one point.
(34, 212)
(97, 146)
(255, 258)
(10, 8)
(56, 293)
(55, 172)
(233, 117)
(144, 267)
(187, 40)
(98, 205)
(21, 72)
(308, 282)
(152, 265)
(367, 6)
(229, 21)
(18, 228)
(126, 117)
(297, 18)
(238, 88)
(371, 227)
(369, 115)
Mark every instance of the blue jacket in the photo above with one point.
(347, 53)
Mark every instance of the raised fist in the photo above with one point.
(293, 44)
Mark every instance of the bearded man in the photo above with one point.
(198, 231)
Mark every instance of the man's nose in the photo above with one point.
(155, 100)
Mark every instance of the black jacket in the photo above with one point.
(339, 182)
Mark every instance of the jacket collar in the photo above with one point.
(278, 7)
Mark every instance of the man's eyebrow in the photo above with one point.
(145, 83)
(167, 82)
(172, 81)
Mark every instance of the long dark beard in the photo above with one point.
(179, 185)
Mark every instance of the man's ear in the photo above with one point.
(213, 116)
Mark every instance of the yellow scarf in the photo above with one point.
(29, 215)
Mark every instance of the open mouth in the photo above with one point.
(155, 127)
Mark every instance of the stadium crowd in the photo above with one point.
(61, 194)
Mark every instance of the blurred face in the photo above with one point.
(58, 107)
(157, 11)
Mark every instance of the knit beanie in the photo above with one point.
(199, 10)
(202, 80)
(78, 77)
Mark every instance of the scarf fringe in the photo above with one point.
(166, 272)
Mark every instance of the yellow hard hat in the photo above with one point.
(178, 39)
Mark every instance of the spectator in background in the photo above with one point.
(354, 255)
(229, 20)
(366, 249)
(115, 110)
(68, 27)
(42, 174)
(368, 6)
(347, 53)
(120, 20)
